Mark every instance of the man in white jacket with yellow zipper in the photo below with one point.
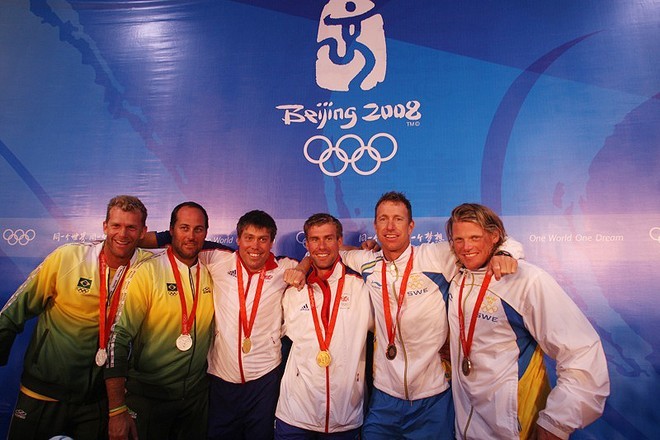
(500, 331)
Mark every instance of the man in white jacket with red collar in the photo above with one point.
(323, 386)
(500, 331)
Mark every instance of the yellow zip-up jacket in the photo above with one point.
(142, 345)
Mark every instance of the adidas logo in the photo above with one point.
(304, 308)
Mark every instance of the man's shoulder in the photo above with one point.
(526, 276)
(217, 256)
(284, 262)
(432, 249)
(147, 254)
(149, 259)
(365, 257)
(74, 253)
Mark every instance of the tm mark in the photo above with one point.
(412, 123)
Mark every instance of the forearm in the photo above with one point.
(150, 241)
(116, 388)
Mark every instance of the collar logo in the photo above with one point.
(351, 46)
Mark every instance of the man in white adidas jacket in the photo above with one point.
(499, 333)
(323, 387)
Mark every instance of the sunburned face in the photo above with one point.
(472, 244)
(123, 230)
(254, 247)
(393, 228)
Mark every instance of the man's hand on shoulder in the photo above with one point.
(502, 263)
(295, 277)
(370, 245)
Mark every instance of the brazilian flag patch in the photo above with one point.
(171, 289)
(84, 284)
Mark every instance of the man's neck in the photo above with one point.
(190, 262)
(325, 273)
(393, 255)
(115, 262)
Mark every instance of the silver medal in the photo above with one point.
(184, 342)
(101, 357)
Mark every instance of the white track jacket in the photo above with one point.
(521, 317)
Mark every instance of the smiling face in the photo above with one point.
(472, 244)
(188, 234)
(254, 245)
(123, 230)
(393, 227)
(323, 244)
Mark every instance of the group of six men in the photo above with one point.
(158, 327)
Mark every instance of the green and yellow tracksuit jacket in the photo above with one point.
(63, 292)
(142, 345)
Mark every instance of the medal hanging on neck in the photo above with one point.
(466, 343)
(391, 351)
(323, 358)
(184, 342)
(108, 312)
(246, 345)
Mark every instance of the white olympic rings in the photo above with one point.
(343, 155)
(18, 236)
(654, 233)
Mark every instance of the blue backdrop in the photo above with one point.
(547, 111)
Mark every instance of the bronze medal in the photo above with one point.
(323, 358)
(466, 366)
(390, 353)
(246, 346)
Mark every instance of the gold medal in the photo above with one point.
(246, 346)
(466, 366)
(323, 358)
(390, 353)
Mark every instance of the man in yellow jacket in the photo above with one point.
(156, 369)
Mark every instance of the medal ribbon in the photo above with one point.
(467, 343)
(186, 321)
(247, 325)
(107, 315)
(391, 327)
(324, 343)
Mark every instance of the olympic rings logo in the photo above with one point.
(300, 237)
(654, 233)
(342, 155)
(18, 236)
